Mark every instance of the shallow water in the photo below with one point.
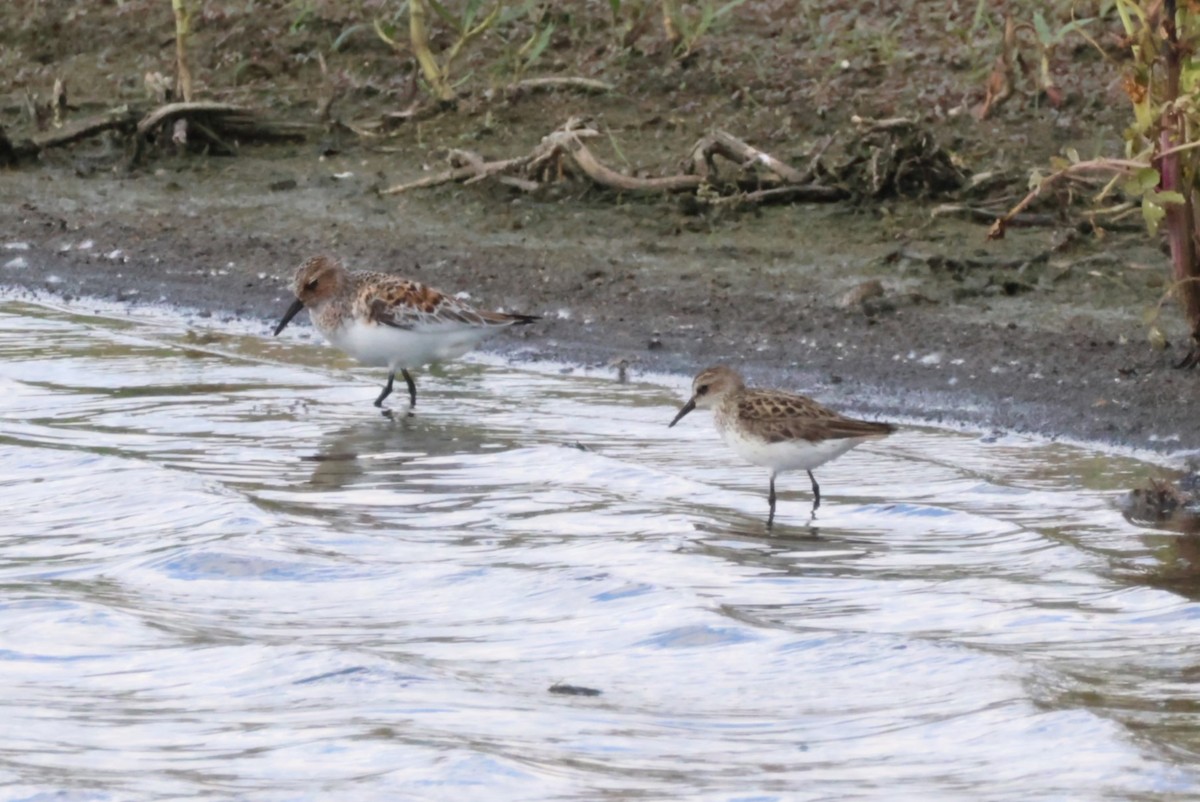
(226, 576)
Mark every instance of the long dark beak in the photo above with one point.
(685, 409)
(296, 306)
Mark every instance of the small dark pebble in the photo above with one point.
(282, 186)
(573, 690)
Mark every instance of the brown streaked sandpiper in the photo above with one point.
(389, 321)
(777, 430)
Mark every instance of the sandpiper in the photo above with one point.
(389, 321)
(777, 430)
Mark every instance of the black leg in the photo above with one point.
(412, 387)
(386, 390)
(816, 493)
(771, 501)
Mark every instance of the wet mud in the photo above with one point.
(878, 306)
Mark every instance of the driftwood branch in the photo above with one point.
(231, 119)
(123, 119)
(761, 177)
(214, 121)
(721, 143)
(606, 176)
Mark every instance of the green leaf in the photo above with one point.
(1153, 214)
(1168, 196)
(471, 11)
(539, 44)
(446, 16)
(301, 19)
(350, 31)
(1073, 155)
(730, 6)
(1143, 181)
(1071, 27)
(1043, 30)
(1123, 9)
(706, 20)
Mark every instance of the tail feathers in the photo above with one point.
(504, 318)
(854, 428)
(521, 320)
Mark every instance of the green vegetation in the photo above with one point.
(1160, 168)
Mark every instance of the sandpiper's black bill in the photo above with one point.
(688, 407)
(296, 306)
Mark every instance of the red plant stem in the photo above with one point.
(1180, 218)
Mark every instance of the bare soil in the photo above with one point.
(1045, 331)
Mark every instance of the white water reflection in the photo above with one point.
(225, 576)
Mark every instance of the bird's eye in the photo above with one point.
(310, 286)
(702, 389)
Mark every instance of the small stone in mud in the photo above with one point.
(860, 294)
(282, 186)
(655, 342)
(573, 690)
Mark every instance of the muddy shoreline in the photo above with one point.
(1058, 356)
(1049, 331)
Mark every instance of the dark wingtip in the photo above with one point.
(521, 320)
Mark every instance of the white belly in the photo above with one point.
(790, 455)
(393, 348)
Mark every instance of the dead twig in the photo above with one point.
(976, 214)
(234, 120)
(809, 193)
(722, 143)
(606, 176)
(1109, 166)
(562, 82)
(168, 113)
(15, 152)
(959, 266)
(814, 163)
(470, 171)
(886, 124)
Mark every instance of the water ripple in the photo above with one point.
(227, 577)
